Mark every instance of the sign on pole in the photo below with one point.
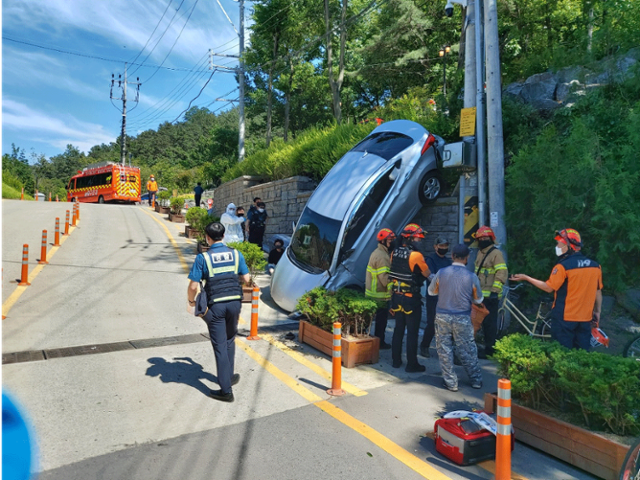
(468, 122)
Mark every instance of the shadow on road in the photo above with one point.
(183, 370)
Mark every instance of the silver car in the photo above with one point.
(381, 182)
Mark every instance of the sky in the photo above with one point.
(51, 99)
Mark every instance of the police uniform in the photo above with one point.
(408, 270)
(575, 281)
(220, 267)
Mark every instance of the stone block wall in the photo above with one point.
(439, 219)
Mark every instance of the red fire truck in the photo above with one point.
(105, 182)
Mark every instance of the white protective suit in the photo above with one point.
(232, 225)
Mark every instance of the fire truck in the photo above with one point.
(105, 182)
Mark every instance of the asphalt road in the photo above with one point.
(119, 282)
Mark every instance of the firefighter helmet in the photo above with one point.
(413, 231)
(569, 237)
(485, 232)
(384, 234)
(598, 338)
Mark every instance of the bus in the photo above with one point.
(105, 182)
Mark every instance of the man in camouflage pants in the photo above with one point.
(456, 288)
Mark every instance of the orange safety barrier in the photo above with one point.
(74, 217)
(36, 195)
(57, 198)
(66, 225)
(24, 278)
(49, 196)
(56, 242)
(43, 248)
(503, 435)
(77, 211)
(255, 300)
(22, 194)
(336, 376)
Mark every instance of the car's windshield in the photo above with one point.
(314, 240)
(384, 144)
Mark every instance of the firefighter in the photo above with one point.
(577, 285)
(491, 269)
(152, 188)
(377, 280)
(408, 272)
(222, 268)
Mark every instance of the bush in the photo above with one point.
(164, 197)
(195, 217)
(176, 205)
(323, 307)
(596, 390)
(253, 255)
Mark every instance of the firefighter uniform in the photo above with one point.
(220, 267)
(152, 188)
(376, 283)
(493, 275)
(575, 281)
(408, 272)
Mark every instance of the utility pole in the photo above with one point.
(241, 85)
(480, 116)
(495, 145)
(123, 84)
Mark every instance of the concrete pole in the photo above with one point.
(480, 115)
(494, 125)
(241, 86)
(123, 134)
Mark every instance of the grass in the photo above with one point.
(13, 194)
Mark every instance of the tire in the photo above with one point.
(100, 199)
(631, 465)
(632, 350)
(73, 199)
(431, 187)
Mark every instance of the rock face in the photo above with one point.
(630, 300)
(547, 91)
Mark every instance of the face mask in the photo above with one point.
(261, 210)
(559, 251)
(241, 214)
(442, 251)
(484, 244)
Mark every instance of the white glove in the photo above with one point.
(191, 309)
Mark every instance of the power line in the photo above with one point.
(154, 31)
(199, 93)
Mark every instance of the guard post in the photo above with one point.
(24, 277)
(43, 248)
(66, 225)
(336, 374)
(56, 241)
(255, 299)
(503, 434)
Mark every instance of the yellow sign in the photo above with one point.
(468, 122)
(470, 220)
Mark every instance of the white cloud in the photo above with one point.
(53, 130)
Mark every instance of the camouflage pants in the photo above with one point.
(456, 330)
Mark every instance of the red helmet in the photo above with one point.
(413, 231)
(485, 232)
(384, 234)
(569, 237)
(598, 338)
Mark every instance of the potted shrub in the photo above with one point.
(162, 205)
(562, 398)
(175, 215)
(193, 217)
(254, 256)
(203, 221)
(355, 311)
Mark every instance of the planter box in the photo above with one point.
(176, 217)
(579, 447)
(192, 232)
(247, 294)
(200, 247)
(354, 351)
(162, 210)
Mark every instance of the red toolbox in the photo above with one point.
(463, 441)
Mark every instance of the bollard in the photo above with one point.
(36, 195)
(22, 194)
(73, 217)
(153, 203)
(56, 242)
(49, 196)
(255, 297)
(43, 248)
(24, 278)
(77, 211)
(336, 376)
(57, 198)
(503, 435)
(66, 225)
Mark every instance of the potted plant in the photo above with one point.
(355, 311)
(254, 256)
(203, 221)
(175, 215)
(162, 205)
(194, 216)
(563, 398)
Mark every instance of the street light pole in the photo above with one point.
(443, 53)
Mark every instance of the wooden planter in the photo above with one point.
(247, 294)
(192, 233)
(355, 351)
(579, 447)
(202, 247)
(176, 217)
(162, 210)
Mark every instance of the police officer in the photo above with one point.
(577, 285)
(491, 269)
(377, 280)
(408, 271)
(222, 268)
(435, 261)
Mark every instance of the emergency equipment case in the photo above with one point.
(463, 441)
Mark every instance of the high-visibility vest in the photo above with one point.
(222, 284)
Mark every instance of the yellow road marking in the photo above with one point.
(310, 365)
(15, 295)
(185, 267)
(490, 466)
(409, 459)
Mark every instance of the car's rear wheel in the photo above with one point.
(431, 186)
(100, 199)
(73, 199)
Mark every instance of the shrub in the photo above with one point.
(597, 390)
(323, 307)
(194, 217)
(253, 255)
(176, 205)
(164, 197)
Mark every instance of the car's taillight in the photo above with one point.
(430, 141)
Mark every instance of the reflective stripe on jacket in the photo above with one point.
(377, 277)
(223, 284)
(493, 274)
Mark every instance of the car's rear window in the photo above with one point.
(384, 144)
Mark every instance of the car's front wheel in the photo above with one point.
(431, 186)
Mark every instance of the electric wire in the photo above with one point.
(196, 97)
(154, 31)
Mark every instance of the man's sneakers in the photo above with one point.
(477, 385)
(415, 368)
(223, 397)
(450, 388)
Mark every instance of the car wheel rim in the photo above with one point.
(431, 188)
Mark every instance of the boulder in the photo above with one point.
(563, 90)
(630, 300)
(539, 91)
